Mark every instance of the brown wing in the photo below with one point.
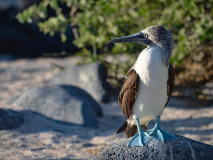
(170, 82)
(126, 100)
(128, 92)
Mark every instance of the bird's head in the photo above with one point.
(153, 36)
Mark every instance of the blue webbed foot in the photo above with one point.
(141, 138)
(159, 133)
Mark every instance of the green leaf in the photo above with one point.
(63, 37)
(189, 21)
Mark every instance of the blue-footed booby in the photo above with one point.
(148, 85)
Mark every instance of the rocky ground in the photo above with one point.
(42, 138)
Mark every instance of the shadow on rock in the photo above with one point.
(38, 123)
(10, 119)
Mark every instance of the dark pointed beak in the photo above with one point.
(134, 38)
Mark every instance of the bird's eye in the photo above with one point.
(146, 36)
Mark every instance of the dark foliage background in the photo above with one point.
(94, 23)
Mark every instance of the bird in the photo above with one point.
(148, 85)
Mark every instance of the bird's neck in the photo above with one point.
(149, 65)
(150, 55)
(148, 59)
(154, 54)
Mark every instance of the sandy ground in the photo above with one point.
(43, 138)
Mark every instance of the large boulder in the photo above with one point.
(62, 103)
(91, 78)
(179, 149)
(10, 119)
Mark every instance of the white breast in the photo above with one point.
(152, 95)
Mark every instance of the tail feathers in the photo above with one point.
(130, 130)
(122, 128)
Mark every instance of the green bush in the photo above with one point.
(95, 22)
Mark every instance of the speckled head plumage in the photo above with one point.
(153, 36)
(162, 38)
